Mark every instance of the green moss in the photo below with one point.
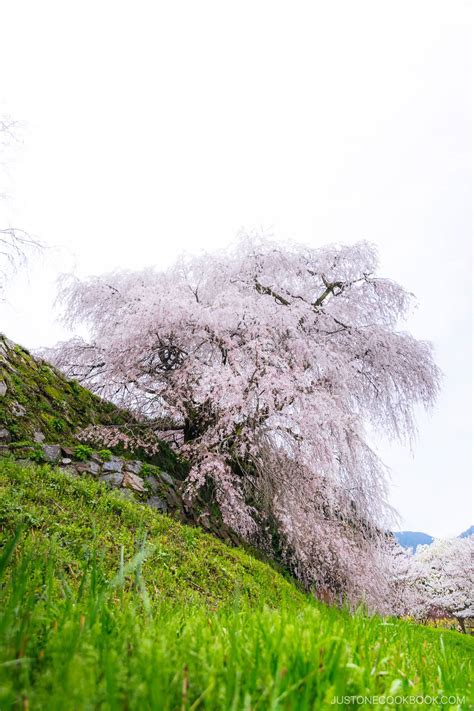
(52, 392)
(47, 419)
(55, 405)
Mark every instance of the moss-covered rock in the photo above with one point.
(38, 404)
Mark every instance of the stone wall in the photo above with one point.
(145, 483)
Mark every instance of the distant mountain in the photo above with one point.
(412, 539)
(466, 534)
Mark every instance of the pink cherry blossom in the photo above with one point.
(271, 361)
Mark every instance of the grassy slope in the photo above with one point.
(81, 514)
(186, 623)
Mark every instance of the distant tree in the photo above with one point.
(270, 359)
(443, 579)
(15, 248)
(437, 580)
(15, 244)
(404, 597)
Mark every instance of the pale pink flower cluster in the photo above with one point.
(110, 436)
(437, 580)
(271, 359)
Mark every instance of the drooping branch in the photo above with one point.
(15, 247)
(15, 244)
(270, 400)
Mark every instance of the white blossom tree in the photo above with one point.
(405, 598)
(270, 360)
(443, 578)
(436, 580)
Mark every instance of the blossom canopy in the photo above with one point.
(271, 359)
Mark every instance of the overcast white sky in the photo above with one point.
(157, 127)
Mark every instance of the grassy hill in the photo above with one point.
(38, 398)
(79, 516)
(38, 404)
(105, 604)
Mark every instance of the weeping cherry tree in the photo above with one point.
(269, 360)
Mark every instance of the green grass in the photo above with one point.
(105, 604)
(81, 515)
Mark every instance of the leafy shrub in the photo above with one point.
(83, 452)
(37, 455)
(149, 469)
(105, 455)
(58, 424)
